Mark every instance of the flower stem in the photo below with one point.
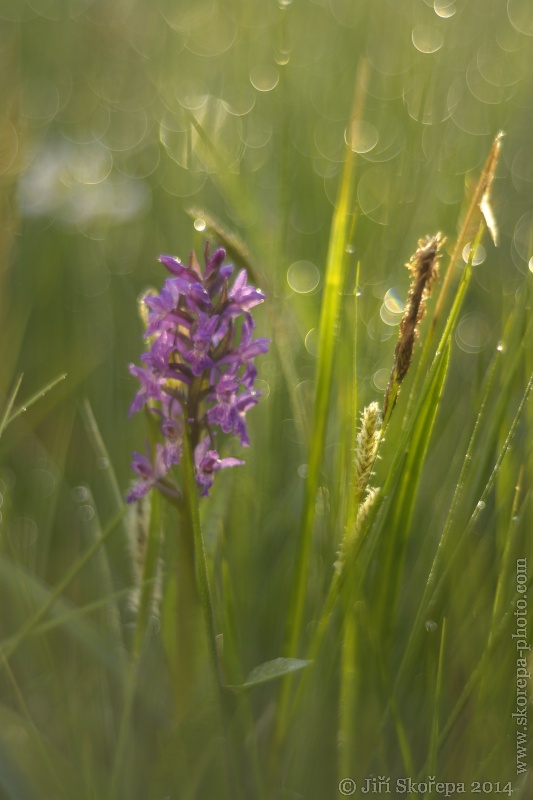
(202, 580)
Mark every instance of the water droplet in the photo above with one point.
(515, 518)
(430, 625)
(530, 264)
(303, 470)
(350, 248)
(481, 505)
(80, 494)
(282, 57)
(102, 463)
(200, 224)
(86, 513)
(501, 347)
(24, 531)
(479, 255)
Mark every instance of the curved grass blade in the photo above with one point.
(271, 671)
(35, 397)
(4, 421)
(13, 644)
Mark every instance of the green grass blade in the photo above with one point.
(121, 554)
(4, 421)
(434, 736)
(18, 639)
(35, 397)
(401, 508)
(330, 310)
(334, 281)
(347, 697)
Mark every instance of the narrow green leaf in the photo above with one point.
(35, 397)
(434, 736)
(271, 671)
(11, 400)
(15, 642)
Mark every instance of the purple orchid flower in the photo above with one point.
(199, 369)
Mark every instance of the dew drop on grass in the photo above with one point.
(102, 463)
(481, 505)
(430, 625)
(200, 224)
(530, 264)
(500, 347)
(303, 469)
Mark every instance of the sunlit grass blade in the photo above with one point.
(336, 265)
(480, 505)
(481, 192)
(416, 627)
(477, 675)
(5, 419)
(406, 492)
(333, 284)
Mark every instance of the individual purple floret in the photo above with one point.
(207, 462)
(199, 369)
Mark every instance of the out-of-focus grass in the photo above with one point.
(118, 118)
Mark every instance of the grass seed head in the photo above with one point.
(423, 266)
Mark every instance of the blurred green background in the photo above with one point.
(125, 126)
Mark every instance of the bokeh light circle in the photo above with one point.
(303, 277)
